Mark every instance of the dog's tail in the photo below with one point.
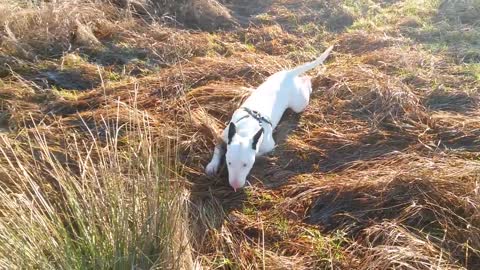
(311, 65)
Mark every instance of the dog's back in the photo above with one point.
(281, 89)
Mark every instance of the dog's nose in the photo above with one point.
(236, 185)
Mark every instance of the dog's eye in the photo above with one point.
(244, 164)
(229, 163)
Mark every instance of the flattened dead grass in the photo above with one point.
(380, 172)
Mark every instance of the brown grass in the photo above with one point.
(380, 172)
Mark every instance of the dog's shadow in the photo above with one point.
(267, 169)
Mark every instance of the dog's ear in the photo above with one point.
(256, 138)
(231, 131)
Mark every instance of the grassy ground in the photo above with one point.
(109, 111)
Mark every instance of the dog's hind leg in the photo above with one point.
(300, 96)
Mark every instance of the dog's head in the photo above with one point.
(240, 155)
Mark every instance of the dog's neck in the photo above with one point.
(246, 125)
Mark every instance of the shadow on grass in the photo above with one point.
(292, 16)
(114, 55)
(459, 101)
(426, 207)
(338, 156)
(269, 169)
(348, 206)
(455, 28)
(68, 79)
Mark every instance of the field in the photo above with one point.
(109, 111)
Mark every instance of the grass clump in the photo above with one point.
(87, 204)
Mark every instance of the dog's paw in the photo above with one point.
(212, 168)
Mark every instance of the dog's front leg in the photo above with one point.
(218, 152)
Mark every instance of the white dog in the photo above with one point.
(249, 133)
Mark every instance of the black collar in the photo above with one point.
(255, 115)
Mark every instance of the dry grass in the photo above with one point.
(85, 202)
(380, 172)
